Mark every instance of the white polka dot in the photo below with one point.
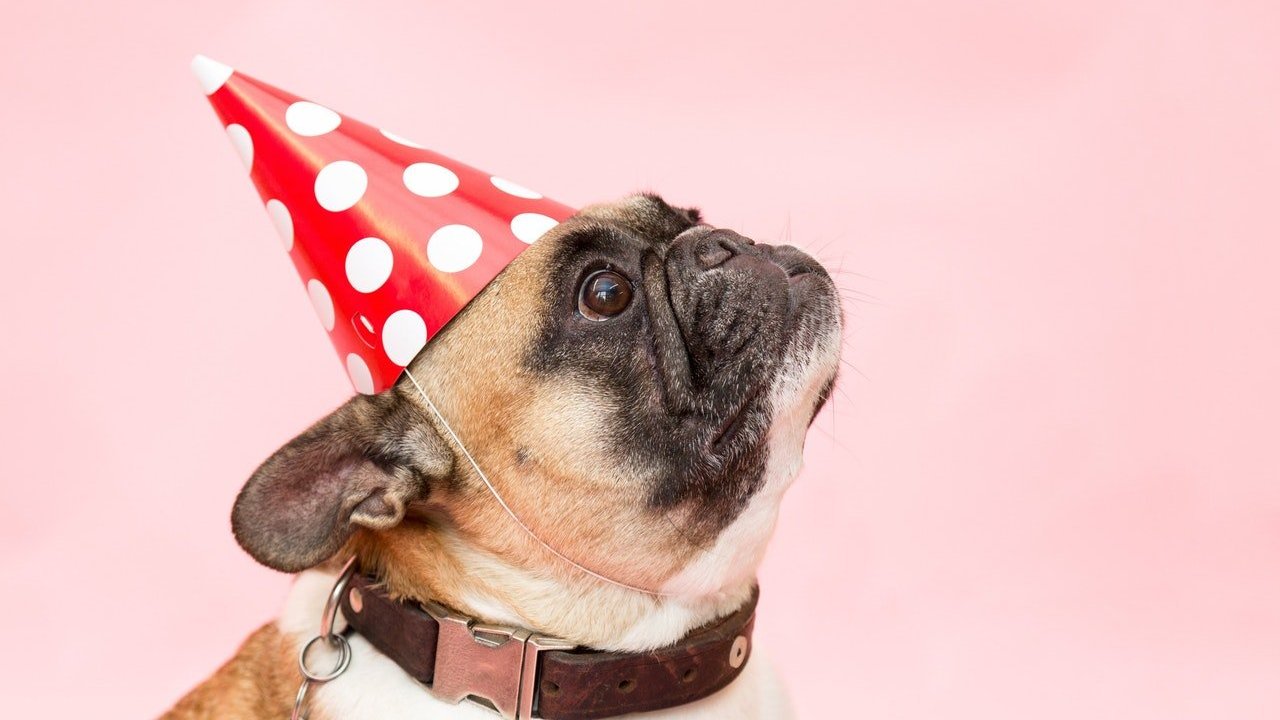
(403, 335)
(340, 184)
(369, 264)
(430, 180)
(242, 142)
(309, 119)
(321, 301)
(531, 226)
(453, 248)
(511, 188)
(402, 140)
(283, 221)
(211, 74)
(358, 371)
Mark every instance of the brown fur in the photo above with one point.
(260, 681)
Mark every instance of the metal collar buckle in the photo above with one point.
(490, 665)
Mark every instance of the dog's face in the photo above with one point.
(634, 385)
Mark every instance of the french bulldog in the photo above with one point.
(635, 388)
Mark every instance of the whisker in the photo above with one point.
(852, 367)
(834, 432)
(834, 439)
(838, 388)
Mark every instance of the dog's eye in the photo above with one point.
(603, 295)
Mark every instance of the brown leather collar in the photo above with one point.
(522, 675)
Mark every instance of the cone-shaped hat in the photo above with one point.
(390, 239)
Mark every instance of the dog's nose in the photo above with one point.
(717, 246)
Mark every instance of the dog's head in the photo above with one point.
(636, 386)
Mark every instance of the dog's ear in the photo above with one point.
(360, 465)
(692, 214)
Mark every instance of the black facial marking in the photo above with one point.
(691, 361)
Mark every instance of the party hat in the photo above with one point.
(390, 239)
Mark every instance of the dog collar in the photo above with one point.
(523, 675)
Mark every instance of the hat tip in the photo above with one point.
(210, 73)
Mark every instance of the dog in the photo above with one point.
(632, 393)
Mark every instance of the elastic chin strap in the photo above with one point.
(507, 508)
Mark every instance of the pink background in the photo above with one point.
(1048, 490)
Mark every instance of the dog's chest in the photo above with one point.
(375, 688)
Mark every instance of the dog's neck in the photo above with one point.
(431, 561)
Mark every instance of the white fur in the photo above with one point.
(659, 624)
(492, 610)
(375, 688)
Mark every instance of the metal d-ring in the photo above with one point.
(344, 658)
(327, 620)
(335, 597)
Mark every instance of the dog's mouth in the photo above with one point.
(734, 421)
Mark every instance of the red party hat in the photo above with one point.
(391, 240)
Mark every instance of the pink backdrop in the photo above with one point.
(1049, 489)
